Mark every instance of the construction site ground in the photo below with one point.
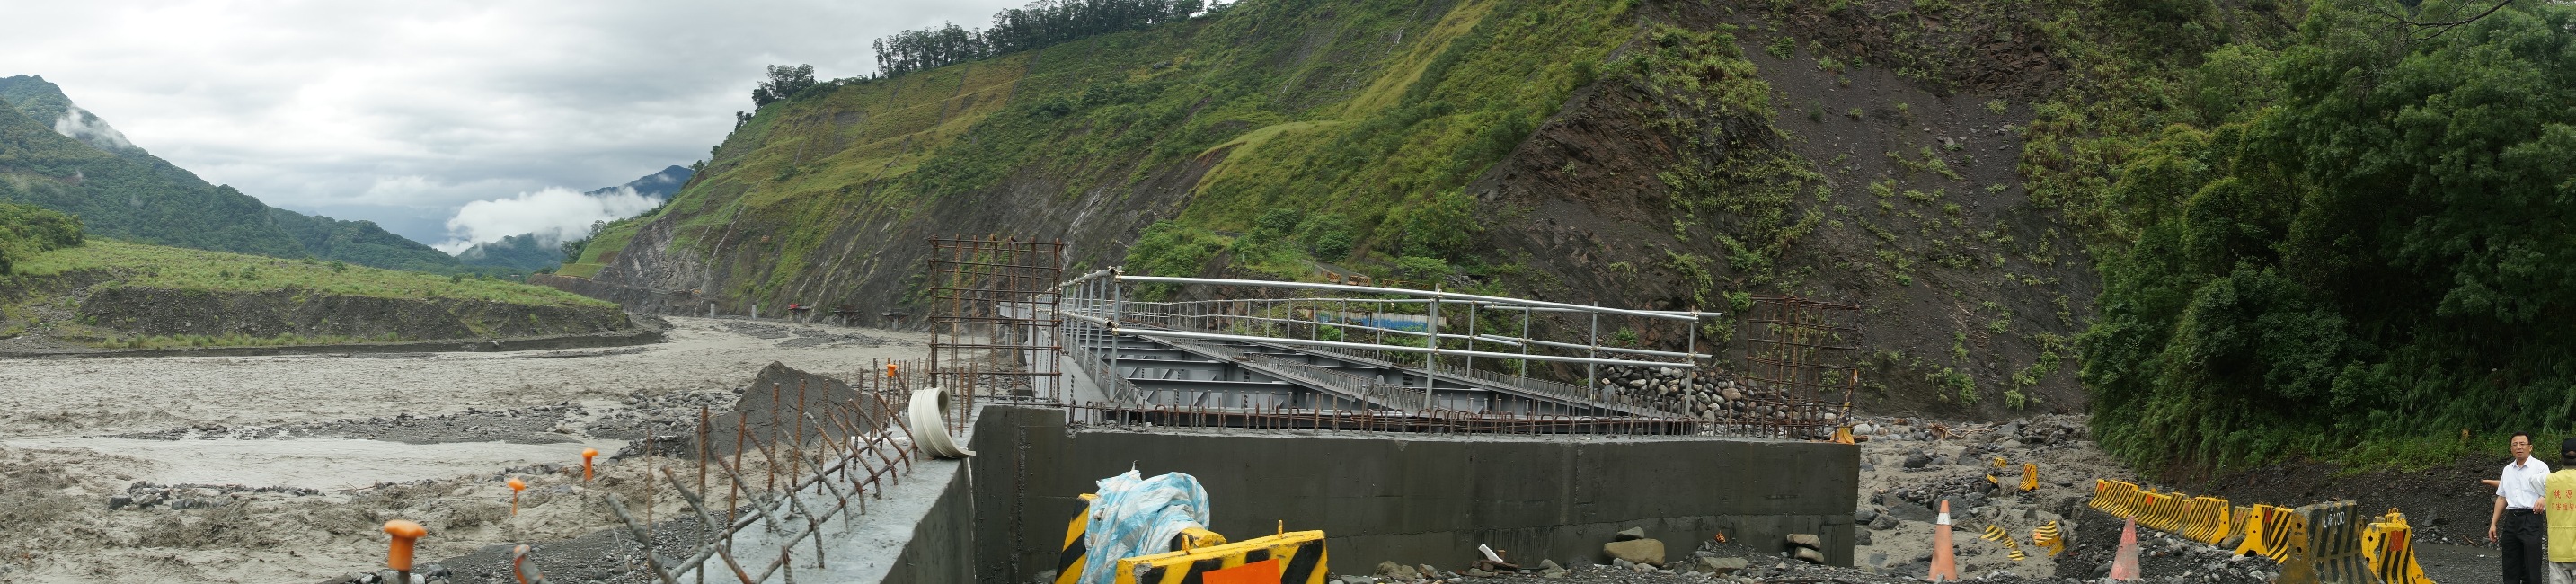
(281, 469)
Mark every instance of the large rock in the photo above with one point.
(1629, 534)
(1806, 540)
(1642, 551)
(1397, 571)
(1720, 566)
(1811, 556)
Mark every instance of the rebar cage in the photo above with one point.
(993, 321)
(1808, 352)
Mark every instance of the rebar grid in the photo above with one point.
(1810, 351)
(840, 452)
(993, 313)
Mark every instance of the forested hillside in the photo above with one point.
(2359, 233)
(121, 191)
(2316, 225)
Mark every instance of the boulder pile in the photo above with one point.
(1706, 395)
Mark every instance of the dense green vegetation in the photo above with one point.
(1039, 25)
(1294, 94)
(26, 231)
(124, 192)
(2359, 235)
(153, 266)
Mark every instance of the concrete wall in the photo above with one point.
(941, 543)
(1416, 498)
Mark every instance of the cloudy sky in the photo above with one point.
(405, 112)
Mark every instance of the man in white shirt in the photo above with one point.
(2517, 500)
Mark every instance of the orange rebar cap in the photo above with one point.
(517, 485)
(404, 532)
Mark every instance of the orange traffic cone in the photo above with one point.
(2124, 565)
(1945, 563)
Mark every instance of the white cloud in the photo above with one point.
(310, 103)
(553, 214)
(81, 125)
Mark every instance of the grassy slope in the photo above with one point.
(1300, 92)
(133, 264)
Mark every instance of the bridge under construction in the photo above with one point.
(1406, 425)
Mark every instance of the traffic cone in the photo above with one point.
(2124, 565)
(1945, 563)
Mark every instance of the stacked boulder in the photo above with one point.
(1703, 394)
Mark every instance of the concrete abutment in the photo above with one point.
(1410, 498)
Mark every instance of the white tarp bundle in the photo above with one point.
(1138, 517)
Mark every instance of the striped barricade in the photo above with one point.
(2267, 533)
(2163, 512)
(2204, 519)
(2047, 536)
(2388, 542)
(1298, 556)
(1075, 555)
(2118, 498)
(2012, 549)
(2325, 546)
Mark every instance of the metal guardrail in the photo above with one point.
(1103, 375)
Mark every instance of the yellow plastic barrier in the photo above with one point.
(2047, 536)
(1300, 554)
(2029, 477)
(2267, 533)
(2204, 519)
(2388, 542)
(2012, 549)
(2324, 543)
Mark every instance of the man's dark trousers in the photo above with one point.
(2520, 533)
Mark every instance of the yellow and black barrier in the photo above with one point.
(2047, 536)
(2029, 477)
(2267, 533)
(2012, 549)
(1299, 556)
(2325, 546)
(2388, 542)
(2204, 519)
(1069, 563)
(2325, 543)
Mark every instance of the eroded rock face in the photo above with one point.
(157, 311)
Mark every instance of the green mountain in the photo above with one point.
(2255, 228)
(55, 155)
(524, 252)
